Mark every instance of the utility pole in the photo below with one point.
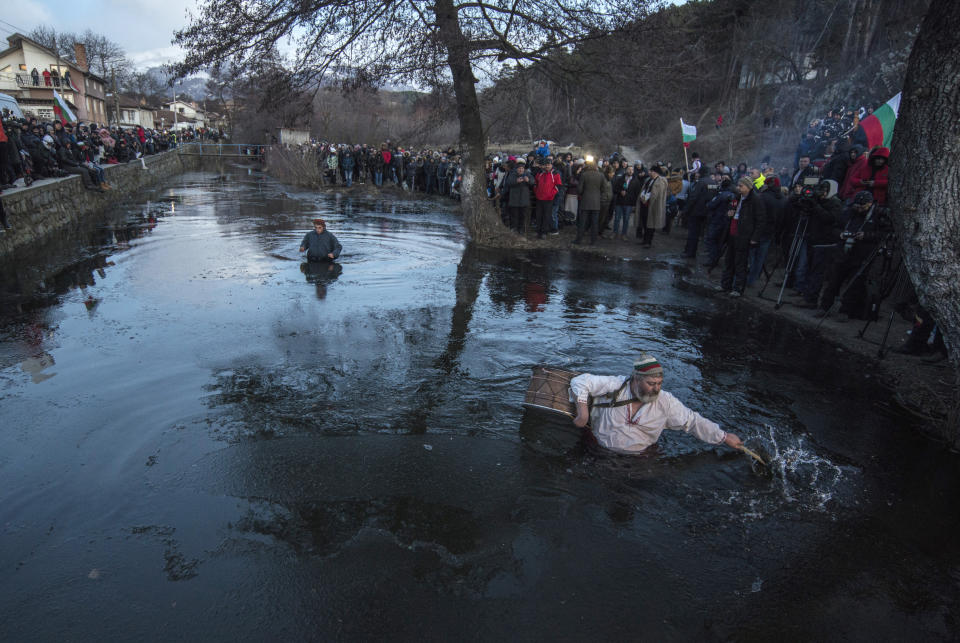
(116, 96)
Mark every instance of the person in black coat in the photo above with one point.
(747, 226)
(865, 226)
(718, 222)
(695, 210)
(774, 203)
(823, 230)
(518, 200)
(626, 189)
(69, 164)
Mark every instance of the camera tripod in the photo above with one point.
(795, 247)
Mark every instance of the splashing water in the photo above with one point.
(799, 477)
(802, 474)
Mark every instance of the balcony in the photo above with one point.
(20, 81)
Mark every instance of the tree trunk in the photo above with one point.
(479, 216)
(924, 175)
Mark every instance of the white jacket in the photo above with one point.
(615, 430)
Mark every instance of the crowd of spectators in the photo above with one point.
(426, 171)
(33, 150)
(825, 221)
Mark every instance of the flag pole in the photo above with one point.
(685, 161)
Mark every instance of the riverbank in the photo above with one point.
(50, 205)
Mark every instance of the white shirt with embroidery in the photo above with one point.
(617, 431)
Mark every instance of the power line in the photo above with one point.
(18, 29)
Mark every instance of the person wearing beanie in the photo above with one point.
(319, 244)
(628, 413)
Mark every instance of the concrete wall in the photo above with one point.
(53, 204)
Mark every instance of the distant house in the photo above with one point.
(83, 91)
(186, 115)
(134, 112)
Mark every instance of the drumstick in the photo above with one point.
(752, 454)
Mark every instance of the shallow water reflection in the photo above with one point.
(206, 438)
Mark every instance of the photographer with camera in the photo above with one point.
(866, 227)
(823, 211)
(804, 171)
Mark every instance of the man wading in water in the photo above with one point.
(629, 413)
(320, 244)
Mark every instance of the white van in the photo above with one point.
(9, 102)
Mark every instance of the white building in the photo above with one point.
(190, 112)
(134, 113)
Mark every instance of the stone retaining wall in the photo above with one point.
(53, 204)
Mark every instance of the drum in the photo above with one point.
(549, 390)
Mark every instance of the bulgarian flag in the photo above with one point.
(689, 133)
(879, 125)
(61, 110)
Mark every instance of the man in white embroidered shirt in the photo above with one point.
(629, 413)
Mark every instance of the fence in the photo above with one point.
(226, 150)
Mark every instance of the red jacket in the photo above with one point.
(547, 183)
(867, 172)
(847, 191)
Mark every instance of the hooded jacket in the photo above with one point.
(847, 191)
(867, 172)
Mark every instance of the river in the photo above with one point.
(205, 439)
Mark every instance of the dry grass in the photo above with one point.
(291, 165)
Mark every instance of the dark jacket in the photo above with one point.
(776, 205)
(318, 246)
(697, 198)
(753, 224)
(836, 168)
(519, 193)
(591, 188)
(874, 224)
(632, 190)
(824, 225)
(798, 175)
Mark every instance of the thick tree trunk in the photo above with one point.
(924, 174)
(479, 216)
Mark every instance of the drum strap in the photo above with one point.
(614, 403)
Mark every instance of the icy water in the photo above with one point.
(204, 439)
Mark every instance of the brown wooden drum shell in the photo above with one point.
(549, 390)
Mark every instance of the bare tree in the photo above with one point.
(428, 43)
(924, 180)
(59, 42)
(103, 54)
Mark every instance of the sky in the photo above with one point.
(144, 28)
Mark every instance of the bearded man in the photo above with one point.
(630, 412)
